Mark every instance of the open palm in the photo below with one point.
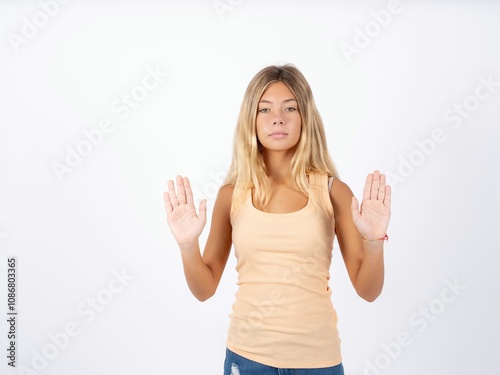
(372, 219)
(186, 225)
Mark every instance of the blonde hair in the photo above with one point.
(248, 170)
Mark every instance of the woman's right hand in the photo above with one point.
(186, 225)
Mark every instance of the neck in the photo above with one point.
(278, 165)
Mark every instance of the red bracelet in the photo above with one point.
(385, 238)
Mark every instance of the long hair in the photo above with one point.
(248, 170)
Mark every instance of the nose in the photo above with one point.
(278, 120)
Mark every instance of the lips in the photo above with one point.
(278, 135)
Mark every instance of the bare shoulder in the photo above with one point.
(224, 198)
(341, 196)
(226, 193)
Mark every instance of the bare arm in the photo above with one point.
(364, 258)
(203, 273)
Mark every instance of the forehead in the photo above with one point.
(277, 90)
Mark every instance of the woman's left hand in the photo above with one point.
(372, 219)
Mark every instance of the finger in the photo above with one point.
(388, 196)
(368, 186)
(168, 204)
(381, 190)
(189, 192)
(355, 209)
(203, 210)
(375, 185)
(181, 191)
(171, 193)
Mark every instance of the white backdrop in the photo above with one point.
(103, 102)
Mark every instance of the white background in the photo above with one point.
(70, 234)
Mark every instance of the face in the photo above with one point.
(278, 119)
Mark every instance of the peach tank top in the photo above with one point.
(283, 315)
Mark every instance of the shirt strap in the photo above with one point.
(330, 183)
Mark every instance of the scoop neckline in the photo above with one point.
(277, 214)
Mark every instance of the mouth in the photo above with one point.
(278, 135)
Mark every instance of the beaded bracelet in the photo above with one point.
(385, 238)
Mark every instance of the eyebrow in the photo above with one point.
(284, 101)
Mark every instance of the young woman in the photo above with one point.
(280, 207)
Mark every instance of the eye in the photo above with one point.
(290, 109)
(263, 110)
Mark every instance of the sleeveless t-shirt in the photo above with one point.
(283, 315)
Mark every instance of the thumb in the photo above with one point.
(355, 209)
(203, 210)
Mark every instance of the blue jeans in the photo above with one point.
(235, 364)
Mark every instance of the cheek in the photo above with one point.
(258, 130)
(259, 126)
(298, 127)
